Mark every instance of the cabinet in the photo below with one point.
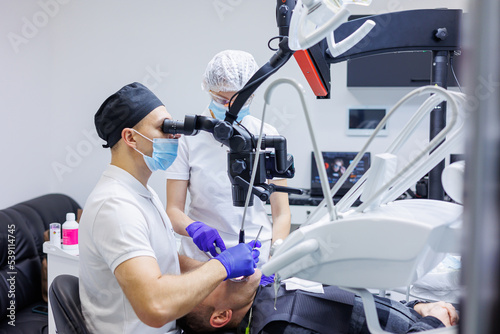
(59, 262)
(402, 69)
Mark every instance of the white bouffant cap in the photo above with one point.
(229, 71)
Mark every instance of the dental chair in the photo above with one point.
(382, 243)
(66, 306)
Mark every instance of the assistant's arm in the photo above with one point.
(205, 237)
(176, 201)
(158, 299)
(280, 210)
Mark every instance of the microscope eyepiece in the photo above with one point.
(186, 127)
(172, 127)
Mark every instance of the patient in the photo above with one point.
(231, 306)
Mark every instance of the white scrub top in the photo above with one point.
(121, 220)
(203, 161)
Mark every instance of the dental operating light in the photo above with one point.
(310, 22)
(315, 20)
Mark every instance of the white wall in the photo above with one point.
(61, 58)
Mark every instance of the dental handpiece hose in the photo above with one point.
(252, 178)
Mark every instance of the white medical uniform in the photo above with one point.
(121, 220)
(203, 161)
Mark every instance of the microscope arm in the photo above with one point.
(274, 64)
(264, 195)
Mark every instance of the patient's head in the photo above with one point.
(224, 308)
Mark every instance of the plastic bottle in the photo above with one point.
(55, 234)
(70, 232)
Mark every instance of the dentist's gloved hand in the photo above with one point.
(240, 260)
(265, 280)
(205, 237)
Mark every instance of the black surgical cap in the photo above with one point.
(124, 109)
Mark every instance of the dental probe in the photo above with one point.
(257, 237)
(217, 249)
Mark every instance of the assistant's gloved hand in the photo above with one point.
(240, 260)
(205, 237)
(265, 280)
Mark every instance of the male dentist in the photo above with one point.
(132, 279)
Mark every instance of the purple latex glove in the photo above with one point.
(206, 237)
(240, 260)
(265, 280)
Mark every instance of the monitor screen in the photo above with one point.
(336, 163)
(363, 121)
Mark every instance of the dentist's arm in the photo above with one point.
(159, 299)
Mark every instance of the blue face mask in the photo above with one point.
(220, 111)
(164, 153)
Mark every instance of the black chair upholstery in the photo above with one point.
(66, 307)
(22, 225)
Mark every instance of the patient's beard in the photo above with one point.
(241, 296)
(242, 293)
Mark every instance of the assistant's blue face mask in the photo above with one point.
(220, 111)
(164, 153)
